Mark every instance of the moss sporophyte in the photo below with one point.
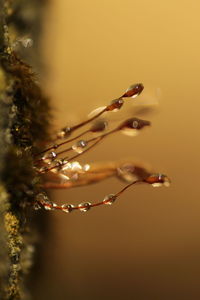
(59, 164)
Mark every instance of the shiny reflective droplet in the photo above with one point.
(79, 146)
(115, 105)
(65, 132)
(55, 206)
(135, 124)
(26, 42)
(49, 157)
(63, 178)
(84, 207)
(157, 180)
(41, 197)
(59, 163)
(133, 91)
(43, 169)
(99, 126)
(61, 134)
(67, 167)
(48, 205)
(55, 146)
(67, 208)
(109, 199)
(37, 206)
(86, 167)
(53, 154)
(75, 166)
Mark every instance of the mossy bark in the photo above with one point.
(23, 125)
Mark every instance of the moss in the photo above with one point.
(24, 120)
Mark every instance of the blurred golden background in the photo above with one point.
(147, 245)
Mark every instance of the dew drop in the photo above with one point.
(109, 199)
(55, 206)
(157, 180)
(63, 178)
(65, 132)
(49, 157)
(59, 164)
(84, 207)
(133, 91)
(79, 146)
(48, 205)
(86, 167)
(67, 167)
(67, 208)
(115, 105)
(43, 169)
(75, 166)
(36, 206)
(26, 42)
(41, 197)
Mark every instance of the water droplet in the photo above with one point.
(115, 105)
(79, 146)
(53, 154)
(55, 146)
(36, 206)
(63, 178)
(59, 164)
(61, 134)
(54, 205)
(27, 42)
(109, 199)
(67, 167)
(86, 167)
(48, 205)
(133, 91)
(43, 169)
(49, 157)
(84, 207)
(65, 132)
(157, 180)
(75, 166)
(41, 197)
(67, 208)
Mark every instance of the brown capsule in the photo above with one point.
(134, 123)
(157, 180)
(99, 126)
(115, 105)
(133, 91)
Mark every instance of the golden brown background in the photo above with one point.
(147, 245)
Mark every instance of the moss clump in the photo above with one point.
(24, 119)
